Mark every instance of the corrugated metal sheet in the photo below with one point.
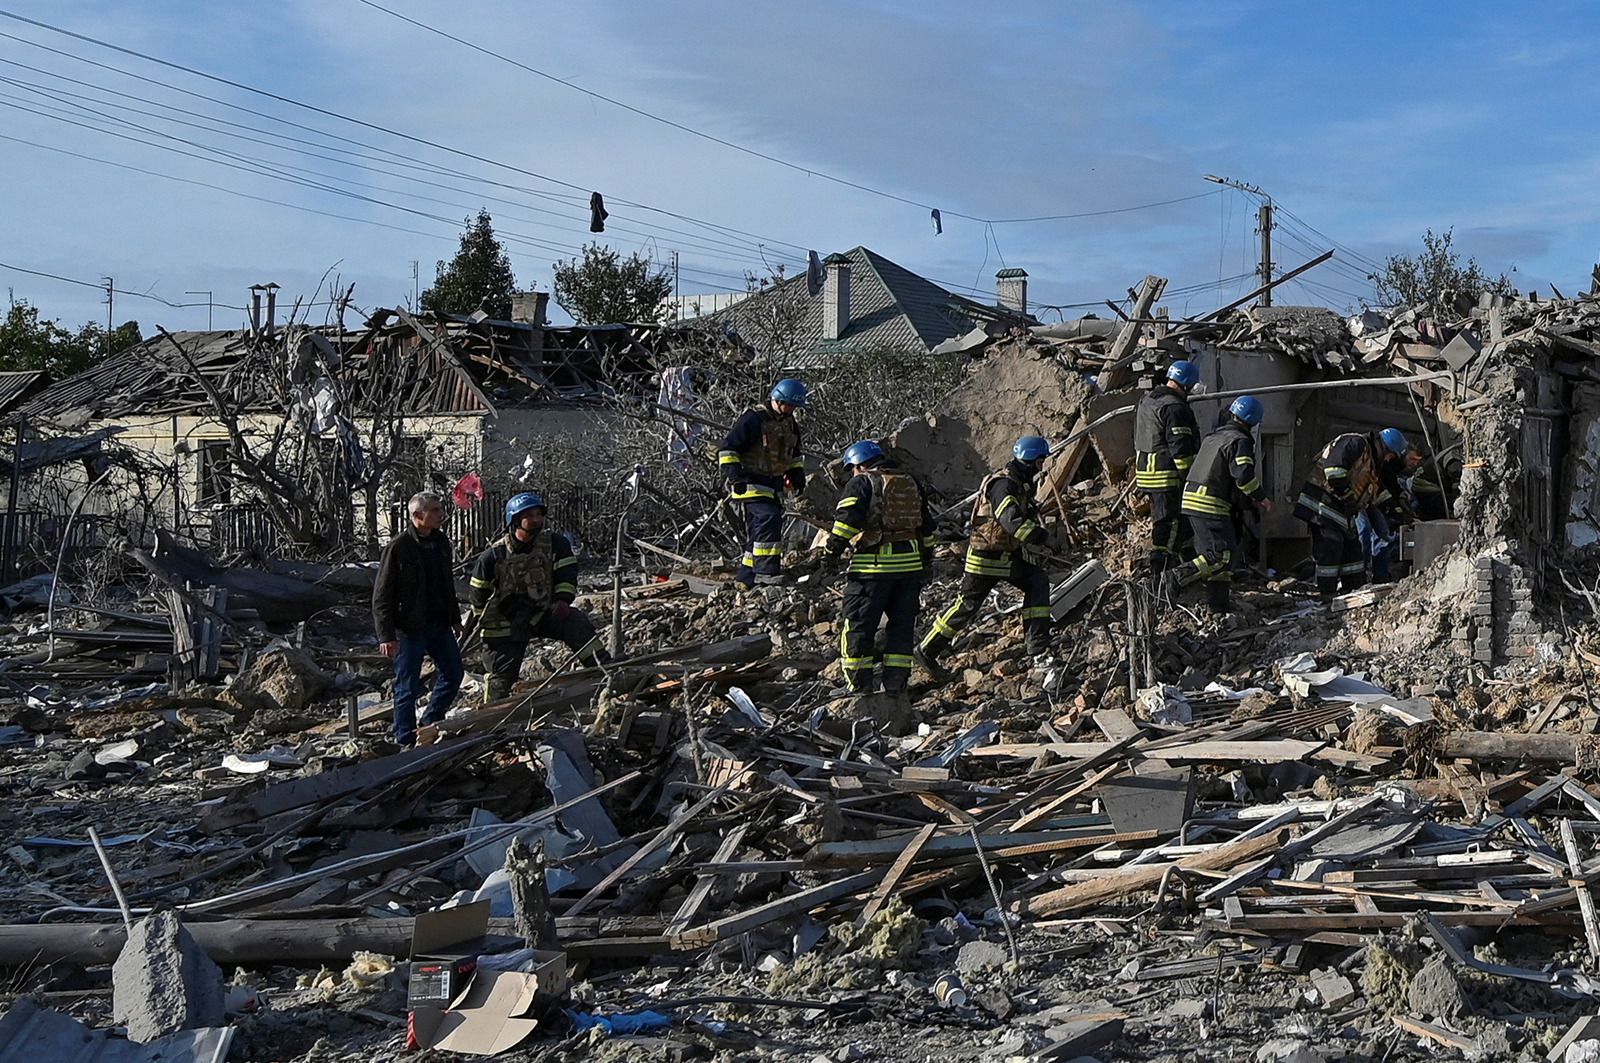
(31, 1034)
(14, 387)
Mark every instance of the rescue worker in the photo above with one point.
(1356, 470)
(1378, 527)
(884, 514)
(1007, 543)
(761, 458)
(1222, 479)
(1165, 439)
(522, 587)
(1427, 491)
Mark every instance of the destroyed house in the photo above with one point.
(401, 404)
(864, 303)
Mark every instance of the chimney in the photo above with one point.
(835, 297)
(528, 308)
(1011, 289)
(272, 307)
(255, 311)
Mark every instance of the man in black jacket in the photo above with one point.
(416, 614)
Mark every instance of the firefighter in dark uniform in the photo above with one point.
(1007, 543)
(761, 457)
(884, 514)
(1222, 478)
(1165, 439)
(1355, 471)
(1427, 492)
(522, 588)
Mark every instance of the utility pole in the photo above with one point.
(110, 292)
(677, 300)
(1264, 225)
(208, 307)
(416, 296)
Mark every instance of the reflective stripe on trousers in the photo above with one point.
(764, 554)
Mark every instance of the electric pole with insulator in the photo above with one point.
(1263, 227)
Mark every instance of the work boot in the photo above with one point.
(1217, 597)
(1160, 561)
(928, 663)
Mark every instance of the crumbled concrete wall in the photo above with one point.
(1490, 500)
(1583, 470)
(1017, 391)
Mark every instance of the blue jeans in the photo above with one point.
(1372, 528)
(439, 643)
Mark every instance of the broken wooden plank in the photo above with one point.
(689, 910)
(1284, 749)
(1439, 1035)
(783, 907)
(666, 834)
(897, 870)
(1591, 925)
(1251, 874)
(1110, 887)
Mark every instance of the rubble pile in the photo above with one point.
(1365, 830)
(1097, 863)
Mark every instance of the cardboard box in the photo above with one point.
(458, 1006)
(445, 946)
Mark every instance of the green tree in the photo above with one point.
(603, 288)
(1436, 278)
(479, 276)
(29, 342)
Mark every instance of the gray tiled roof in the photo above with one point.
(891, 308)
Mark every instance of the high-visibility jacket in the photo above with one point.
(1348, 476)
(884, 512)
(513, 582)
(760, 451)
(1165, 439)
(1223, 473)
(1004, 519)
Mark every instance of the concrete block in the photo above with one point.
(1334, 988)
(163, 981)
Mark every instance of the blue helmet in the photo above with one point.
(522, 503)
(861, 453)
(1031, 448)
(791, 391)
(1248, 409)
(1184, 374)
(1394, 441)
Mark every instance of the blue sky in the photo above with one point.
(1366, 122)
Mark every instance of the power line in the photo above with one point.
(1085, 214)
(711, 244)
(807, 170)
(270, 171)
(261, 168)
(365, 124)
(299, 145)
